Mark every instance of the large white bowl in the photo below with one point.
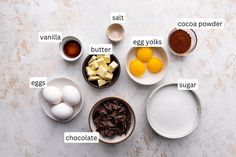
(148, 78)
(173, 113)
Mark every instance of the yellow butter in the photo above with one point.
(93, 78)
(107, 58)
(92, 59)
(112, 67)
(101, 82)
(101, 71)
(108, 76)
(89, 71)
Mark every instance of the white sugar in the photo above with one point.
(172, 111)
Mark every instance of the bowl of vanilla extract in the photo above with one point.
(70, 48)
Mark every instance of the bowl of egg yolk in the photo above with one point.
(146, 65)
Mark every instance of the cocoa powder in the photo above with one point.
(180, 41)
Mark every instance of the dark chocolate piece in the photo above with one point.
(112, 118)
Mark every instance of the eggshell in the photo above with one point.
(52, 95)
(62, 111)
(71, 95)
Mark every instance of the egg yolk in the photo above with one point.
(155, 65)
(144, 54)
(137, 68)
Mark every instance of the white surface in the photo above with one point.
(26, 131)
(173, 113)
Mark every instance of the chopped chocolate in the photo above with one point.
(112, 118)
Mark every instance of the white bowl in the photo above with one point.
(115, 32)
(148, 78)
(173, 113)
(193, 42)
(60, 83)
(61, 45)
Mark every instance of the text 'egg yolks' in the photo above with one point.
(155, 65)
(144, 54)
(137, 68)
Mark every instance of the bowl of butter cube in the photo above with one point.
(101, 71)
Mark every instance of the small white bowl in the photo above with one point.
(192, 46)
(60, 83)
(61, 45)
(115, 32)
(148, 78)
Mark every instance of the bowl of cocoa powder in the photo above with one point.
(182, 42)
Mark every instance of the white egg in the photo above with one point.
(52, 95)
(62, 111)
(71, 95)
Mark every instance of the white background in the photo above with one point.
(26, 131)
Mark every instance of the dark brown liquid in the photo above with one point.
(72, 49)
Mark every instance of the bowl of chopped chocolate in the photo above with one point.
(113, 118)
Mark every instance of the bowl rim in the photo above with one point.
(187, 52)
(131, 112)
(121, 34)
(131, 75)
(63, 42)
(199, 108)
(107, 85)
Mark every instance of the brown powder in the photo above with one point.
(180, 41)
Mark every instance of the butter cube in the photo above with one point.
(100, 56)
(101, 82)
(93, 78)
(107, 58)
(94, 65)
(89, 71)
(92, 59)
(92, 62)
(101, 71)
(108, 76)
(112, 67)
(100, 61)
(104, 65)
